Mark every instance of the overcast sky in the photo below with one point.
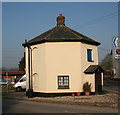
(26, 20)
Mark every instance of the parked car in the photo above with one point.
(21, 84)
(3, 81)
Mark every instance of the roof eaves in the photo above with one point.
(36, 42)
(85, 36)
(25, 44)
(95, 42)
(90, 42)
(41, 35)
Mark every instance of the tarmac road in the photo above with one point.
(18, 106)
(111, 85)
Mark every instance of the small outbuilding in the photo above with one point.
(61, 60)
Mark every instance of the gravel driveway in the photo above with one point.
(108, 99)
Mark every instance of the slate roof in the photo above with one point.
(61, 33)
(92, 69)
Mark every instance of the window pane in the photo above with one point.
(63, 81)
(59, 84)
(24, 79)
(65, 84)
(89, 54)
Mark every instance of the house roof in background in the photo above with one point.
(12, 73)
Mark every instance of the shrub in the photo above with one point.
(87, 87)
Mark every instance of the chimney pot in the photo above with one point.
(60, 20)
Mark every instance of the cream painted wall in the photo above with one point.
(69, 58)
(26, 62)
(91, 79)
(38, 68)
(86, 64)
(52, 59)
(63, 58)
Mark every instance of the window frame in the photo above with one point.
(62, 78)
(89, 59)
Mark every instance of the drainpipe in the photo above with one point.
(30, 90)
(29, 63)
(31, 67)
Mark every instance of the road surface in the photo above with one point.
(111, 85)
(20, 106)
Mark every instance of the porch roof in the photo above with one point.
(92, 69)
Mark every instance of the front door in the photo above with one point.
(98, 82)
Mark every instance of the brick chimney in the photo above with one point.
(60, 20)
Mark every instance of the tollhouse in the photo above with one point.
(61, 60)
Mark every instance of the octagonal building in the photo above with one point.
(61, 60)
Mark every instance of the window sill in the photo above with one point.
(63, 88)
(90, 61)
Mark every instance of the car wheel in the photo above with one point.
(18, 89)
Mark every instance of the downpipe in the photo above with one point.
(29, 92)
